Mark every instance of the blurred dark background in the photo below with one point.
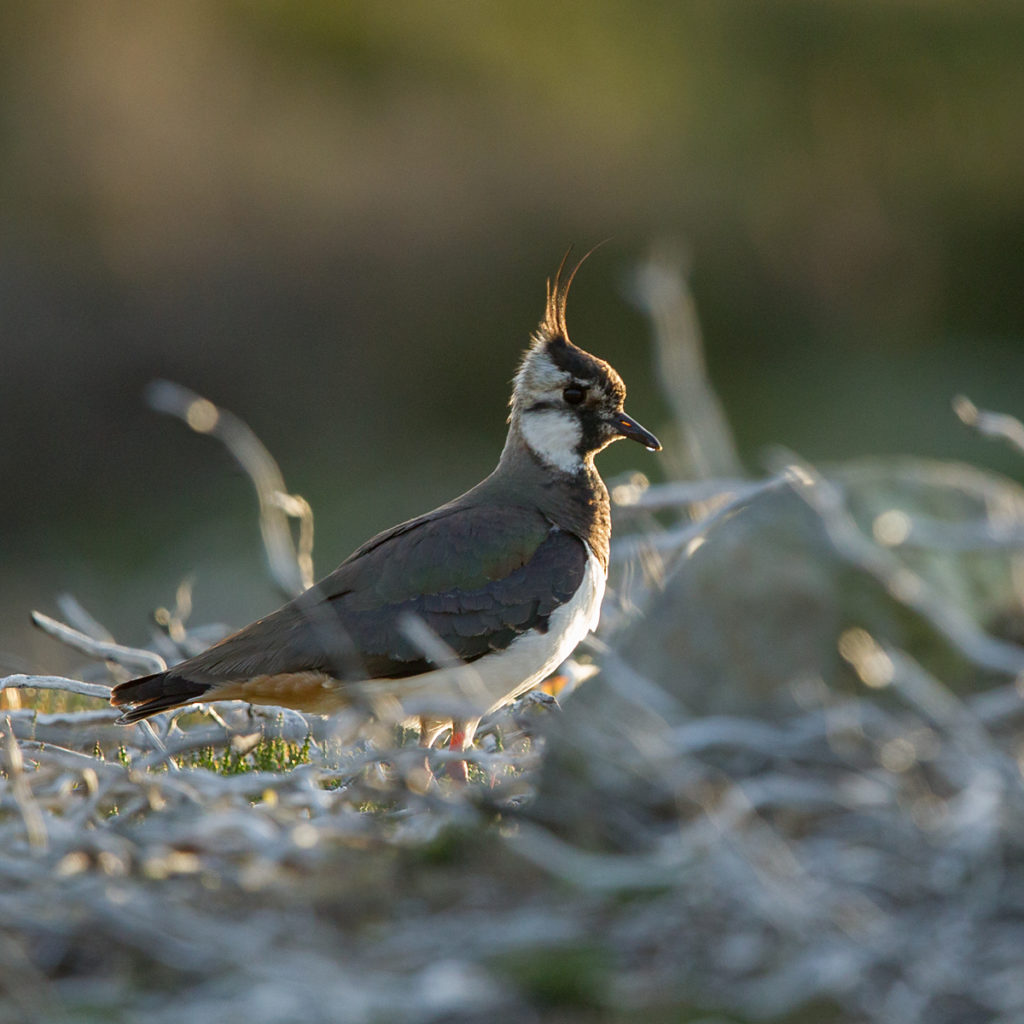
(336, 220)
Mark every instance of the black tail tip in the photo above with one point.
(150, 695)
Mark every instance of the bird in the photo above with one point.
(449, 616)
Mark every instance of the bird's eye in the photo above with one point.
(574, 394)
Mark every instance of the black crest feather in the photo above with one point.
(554, 323)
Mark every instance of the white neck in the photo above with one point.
(553, 436)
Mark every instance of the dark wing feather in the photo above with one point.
(473, 618)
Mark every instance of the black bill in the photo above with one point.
(628, 427)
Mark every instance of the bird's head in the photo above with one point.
(566, 403)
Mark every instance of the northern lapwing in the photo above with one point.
(447, 617)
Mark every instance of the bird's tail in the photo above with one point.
(153, 694)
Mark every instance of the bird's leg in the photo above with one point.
(463, 734)
(462, 737)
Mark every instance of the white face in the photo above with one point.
(550, 428)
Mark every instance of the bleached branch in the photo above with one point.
(290, 562)
(135, 658)
(997, 425)
(706, 447)
(27, 682)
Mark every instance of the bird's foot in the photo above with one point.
(458, 771)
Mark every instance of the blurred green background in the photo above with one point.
(336, 220)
